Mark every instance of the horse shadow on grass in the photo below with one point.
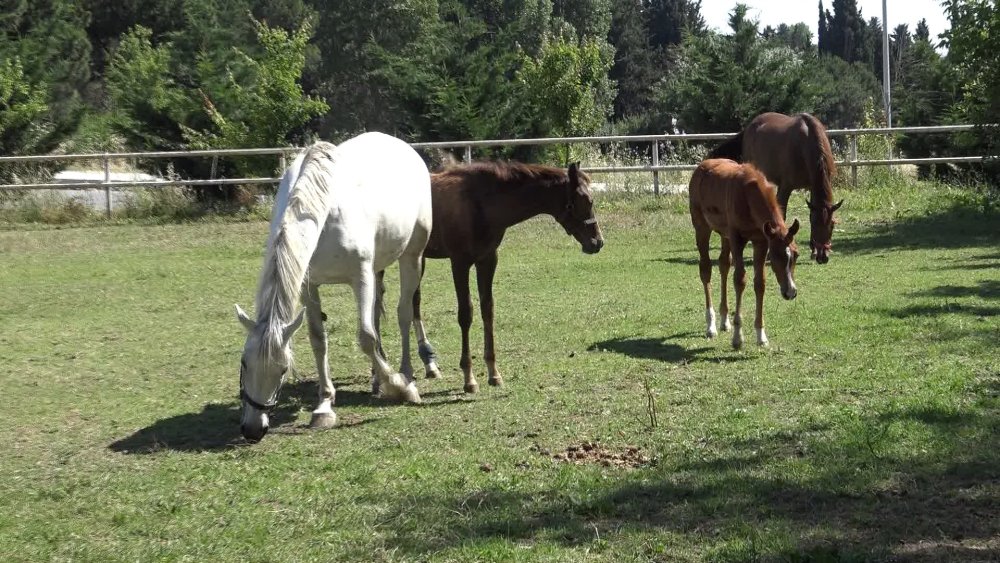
(217, 426)
(663, 350)
(959, 226)
(848, 500)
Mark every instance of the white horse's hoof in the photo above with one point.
(432, 371)
(399, 389)
(323, 420)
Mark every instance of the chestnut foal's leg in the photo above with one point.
(739, 284)
(460, 276)
(725, 262)
(759, 256)
(702, 237)
(485, 269)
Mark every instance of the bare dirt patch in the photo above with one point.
(584, 453)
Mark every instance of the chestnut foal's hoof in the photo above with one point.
(471, 387)
(496, 382)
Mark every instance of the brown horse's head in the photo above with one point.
(783, 255)
(821, 223)
(578, 215)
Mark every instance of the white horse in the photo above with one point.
(341, 214)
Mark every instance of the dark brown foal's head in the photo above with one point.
(577, 217)
(783, 254)
(821, 224)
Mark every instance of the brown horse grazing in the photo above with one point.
(793, 152)
(736, 201)
(473, 206)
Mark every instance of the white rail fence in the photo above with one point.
(654, 167)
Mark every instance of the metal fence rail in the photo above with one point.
(654, 167)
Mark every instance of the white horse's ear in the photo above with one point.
(290, 329)
(244, 318)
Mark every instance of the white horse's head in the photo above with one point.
(266, 359)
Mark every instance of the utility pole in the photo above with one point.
(886, 92)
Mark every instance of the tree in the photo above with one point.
(48, 41)
(670, 19)
(634, 70)
(721, 82)
(797, 37)
(22, 110)
(270, 109)
(973, 42)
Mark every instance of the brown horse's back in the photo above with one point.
(791, 150)
(725, 195)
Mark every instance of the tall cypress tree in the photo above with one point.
(634, 69)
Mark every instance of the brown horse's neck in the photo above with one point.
(521, 195)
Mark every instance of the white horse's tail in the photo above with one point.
(300, 211)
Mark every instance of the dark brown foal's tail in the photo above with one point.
(731, 148)
(822, 155)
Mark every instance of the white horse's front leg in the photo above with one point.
(392, 385)
(323, 416)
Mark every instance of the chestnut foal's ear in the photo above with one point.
(792, 230)
(770, 230)
(836, 207)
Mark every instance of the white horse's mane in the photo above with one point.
(295, 233)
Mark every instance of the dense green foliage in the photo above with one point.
(233, 73)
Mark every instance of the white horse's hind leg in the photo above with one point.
(392, 385)
(323, 416)
(379, 312)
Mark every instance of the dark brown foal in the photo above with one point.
(474, 205)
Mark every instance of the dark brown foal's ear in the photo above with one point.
(574, 173)
(809, 204)
(836, 207)
(792, 230)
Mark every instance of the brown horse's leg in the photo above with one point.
(460, 275)
(485, 269)
(739, 284)
(702, 237)
(725, 262)
(784, 194)
(424, 348)
(759, 255)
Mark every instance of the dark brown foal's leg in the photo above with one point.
(460, 275)
(739, 284)
(702, 237)
(424, 348)
(759, 256)
(725, 262)
(485, 269)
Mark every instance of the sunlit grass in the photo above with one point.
(867, 431)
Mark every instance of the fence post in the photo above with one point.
(468, 154)
(854, 158)
(107, 184)
(656, 173)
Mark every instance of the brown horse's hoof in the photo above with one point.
(471, 387)
(323, 420)
(496, 382)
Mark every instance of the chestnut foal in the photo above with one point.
(736, 201)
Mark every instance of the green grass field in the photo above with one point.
(868, 431)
